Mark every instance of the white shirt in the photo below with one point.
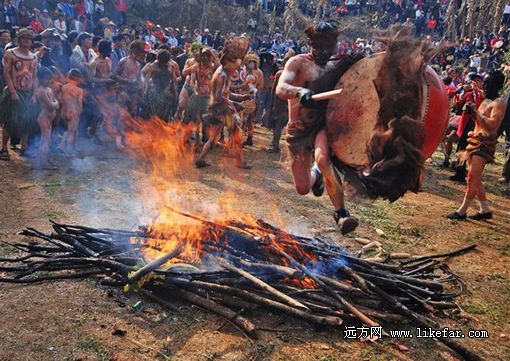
(507, 9)
(475, 61)
(60, 26)
(89, 7)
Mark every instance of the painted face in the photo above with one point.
(250, 65)
(323, 52)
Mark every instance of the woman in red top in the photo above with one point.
(431, 25)
(80, 9)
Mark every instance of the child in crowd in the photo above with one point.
(72, 105)
(49, 106)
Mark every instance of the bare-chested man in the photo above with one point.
(253, 84)
(72, 105)
(128, 74)
(49, 106)
(223, 108)
(100, 74)
(201, 74)
(306, 134)
(482, 145)
(187, 89)
(17, 110)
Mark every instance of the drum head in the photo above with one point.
(351, 117)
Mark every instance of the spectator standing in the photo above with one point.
(36, 24)
(9, 14)
(60, 23)
(121, 8)
(83, 54)
(506, 14)
(46, 19)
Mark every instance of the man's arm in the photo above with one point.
(120, 70)
(285, 88)
(493, 121)
(7, 64)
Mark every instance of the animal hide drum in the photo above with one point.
(391, 116)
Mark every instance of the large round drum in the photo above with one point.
(351, 117)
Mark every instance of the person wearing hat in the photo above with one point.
(82, 54)
(46, 19)
(16, 105)
(35, 23)
(207, 38)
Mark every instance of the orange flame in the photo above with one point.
(165, 148)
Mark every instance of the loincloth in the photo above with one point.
(20, 117)
(481, 145)
(301, 134)
(196, 108)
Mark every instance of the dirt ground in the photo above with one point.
(77, 320)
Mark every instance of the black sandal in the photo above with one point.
(481, 216)
(201, 164)
(456, 216)
(4, 155)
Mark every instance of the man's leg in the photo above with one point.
(45, 125)
(301, 175)
(478, 165)
(4, 153)
(333, 182)
(215, 131)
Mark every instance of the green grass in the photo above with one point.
(92, 345)
(482, 235)
(484, 307)
(379, 214)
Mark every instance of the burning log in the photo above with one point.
(242, 265)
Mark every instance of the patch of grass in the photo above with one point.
(369, 354)
(504, 249)
(327, 358)
(445, 191)
(483, 307)
(92, 345)
(496, 277)
(482, 235)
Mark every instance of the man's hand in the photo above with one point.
(305, 97)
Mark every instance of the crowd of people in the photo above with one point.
(69, 72)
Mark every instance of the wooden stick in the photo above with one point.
(253, 297)
(362, 317)
(223, 311)
(327, 95)
(280, 295)
(148, 268)
(441, 255)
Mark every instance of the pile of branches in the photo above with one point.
(244, 266)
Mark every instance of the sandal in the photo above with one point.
(345, 222)
(456, 216)
(481, 216)
(4, 155)
(201, 164)
(318, 186)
